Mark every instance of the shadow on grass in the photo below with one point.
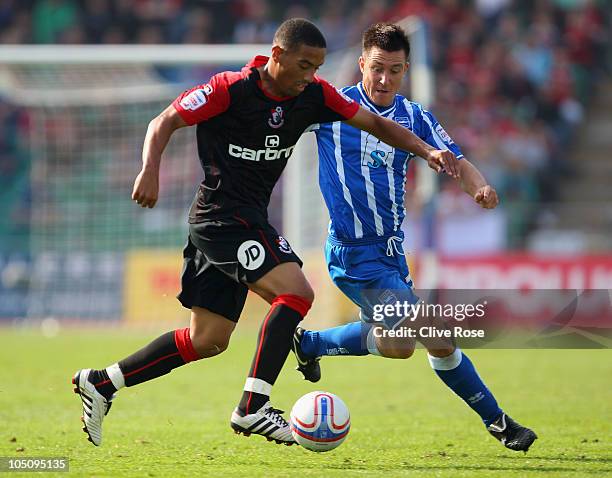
(505, 468)
(532, 466)
(577, 458)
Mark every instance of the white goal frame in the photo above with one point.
(300, 197)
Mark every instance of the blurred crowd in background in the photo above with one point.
(513, 77)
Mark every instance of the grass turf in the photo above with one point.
(404, 420)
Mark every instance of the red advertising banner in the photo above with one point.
(524, 271)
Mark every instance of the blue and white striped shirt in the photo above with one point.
(363, 179)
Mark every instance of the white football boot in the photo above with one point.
(266, 421)
(95, 406)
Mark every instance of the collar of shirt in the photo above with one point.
(257, 61)
(381, 110)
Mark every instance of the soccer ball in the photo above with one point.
(320, 421)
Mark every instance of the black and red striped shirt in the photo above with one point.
(245, 136)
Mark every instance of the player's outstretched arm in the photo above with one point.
(474, 184)
(399, 137)
(146, 186)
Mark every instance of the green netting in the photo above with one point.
(84, 165)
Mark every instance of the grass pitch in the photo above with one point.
(404, 420)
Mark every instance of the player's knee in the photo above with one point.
(307, 293)
(301, 288)
(207, 344)
(395, 349)
(398, 353)
(207, 347)
(210, 349)
(285, 279)
(210, 333)
(303, 291)
(441, 351)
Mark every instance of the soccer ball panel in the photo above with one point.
(320, 421)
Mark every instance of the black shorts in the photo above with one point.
(224, 255)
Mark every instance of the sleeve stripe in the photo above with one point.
(337, 102)
(206, 101)
(439, 142)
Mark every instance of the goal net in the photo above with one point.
(86, 251)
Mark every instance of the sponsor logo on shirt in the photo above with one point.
(251, 255)
(269, 153)
(272, 141)
(376, 159)
(375, 153)
(443, 134)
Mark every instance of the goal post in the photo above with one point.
(222, 54)
(89, 252)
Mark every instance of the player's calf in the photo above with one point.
(96, 388)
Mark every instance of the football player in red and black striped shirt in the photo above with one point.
(247, 125)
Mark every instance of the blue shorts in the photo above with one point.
(368, 276)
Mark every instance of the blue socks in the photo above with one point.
(459, 374)
(456, 370)
(343, 340)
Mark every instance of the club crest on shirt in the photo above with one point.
(283, 245)
(277, 117)
(403, 120)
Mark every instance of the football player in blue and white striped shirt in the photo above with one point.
(363, 183)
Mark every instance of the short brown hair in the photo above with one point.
(386, 36)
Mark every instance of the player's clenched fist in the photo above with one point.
(146, 188)
(486, 196)
(443, 160)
